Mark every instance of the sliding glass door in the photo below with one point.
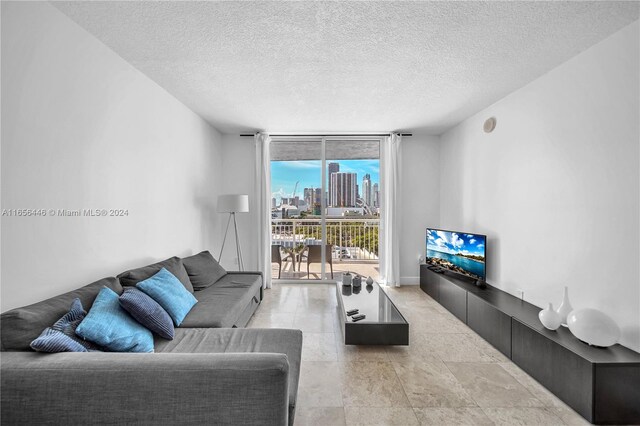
(324, 207)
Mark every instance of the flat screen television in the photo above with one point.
(459, 252)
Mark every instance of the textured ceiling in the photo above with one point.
(345, 66)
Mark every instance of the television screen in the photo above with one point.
(458, 252)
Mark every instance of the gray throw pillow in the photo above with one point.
(203, 270)
(22, 325)
(173, 265)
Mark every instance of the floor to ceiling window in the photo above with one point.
(324, 207)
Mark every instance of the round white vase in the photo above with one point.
(565, 307)
(593, 327)
(550, 318)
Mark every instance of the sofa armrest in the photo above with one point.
(87, 388)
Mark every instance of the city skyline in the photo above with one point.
(285, 174)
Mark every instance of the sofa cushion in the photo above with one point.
(173, 265)
(61, 336)
(221, 304)
(20, 326)
(241, 340)
(203, 270)
(147, 312)
(111, 327)
(165, 289)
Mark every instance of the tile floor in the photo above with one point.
(448, 375)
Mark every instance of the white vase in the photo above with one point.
(550, 318)
(565, 307)
(593, 327)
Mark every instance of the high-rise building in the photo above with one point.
(308, 194)
(376, 195)
(273, 202)
(342, 189)
(333, 168)
(366, 190)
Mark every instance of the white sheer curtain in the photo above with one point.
(389, 220)
(262, 196)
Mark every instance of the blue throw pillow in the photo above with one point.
(147, 312)
(61, 336)
(111, 327)
(169, 292)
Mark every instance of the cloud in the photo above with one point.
(431, 236)
(470, 235)
(279, 193)
(440, 242)
(471, 241)
(456, 241)
(443, 235)
(480, 245)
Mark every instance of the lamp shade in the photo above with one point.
(233, 203)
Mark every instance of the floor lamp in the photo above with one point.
(232, 204)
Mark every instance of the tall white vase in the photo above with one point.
(565, 307)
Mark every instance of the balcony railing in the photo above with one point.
(354, 241)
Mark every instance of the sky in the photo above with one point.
(455, 242)
(284, 174)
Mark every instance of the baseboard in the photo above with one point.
(410, 280)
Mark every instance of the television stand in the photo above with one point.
(601, 384)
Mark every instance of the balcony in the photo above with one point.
(354, 247)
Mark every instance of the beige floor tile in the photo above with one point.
(314, 323)
(431, 384)
(540, 392)
(279, 302)
(487, 348)
(366, 384)
(319, 347)
(417, 350)
(435, 323)
(568, 416)
(320, 385)
(491, 386)
(314, 306)
(271, 320)
(456, 347)
(316, 416)
(460, 416)
(354, 353)
(522, 416)
(342, 384)
(380, 416)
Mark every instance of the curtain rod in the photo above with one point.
(356, 134)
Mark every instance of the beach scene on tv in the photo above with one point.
(457, 252)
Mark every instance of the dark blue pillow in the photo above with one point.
(169, 292)
(147, 312)
(111, 327)
(61, 336)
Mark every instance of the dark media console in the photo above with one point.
(601, 384)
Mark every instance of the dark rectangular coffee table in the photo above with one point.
(384, 324)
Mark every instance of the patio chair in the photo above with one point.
(313, 254)
(276, 257)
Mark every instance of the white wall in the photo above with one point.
(420, 200)
(238, 174)
(83, 129)
(556, 185)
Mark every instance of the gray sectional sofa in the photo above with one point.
(212, 372)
